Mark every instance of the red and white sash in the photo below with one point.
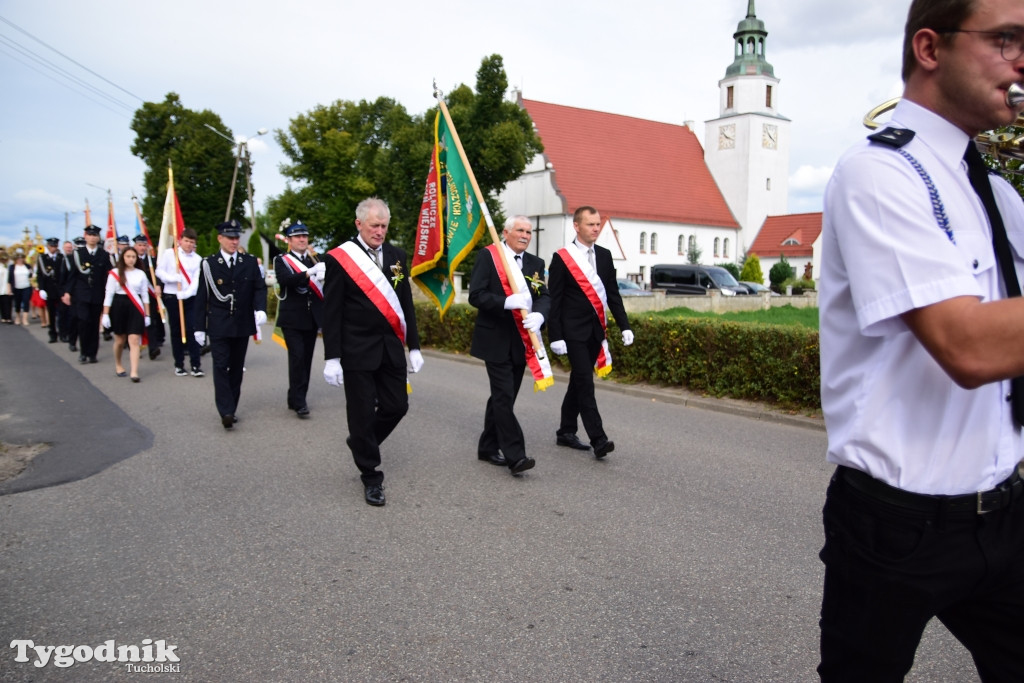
(586, 277)
(298, 266)
(132, 297)
(371, 280)
(540, 366)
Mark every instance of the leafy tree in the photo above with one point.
(344, 152)
(693, 252)
(780, 272)
(203, 163)
(751, 270)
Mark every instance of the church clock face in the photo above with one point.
(727, 136)
(770, 136)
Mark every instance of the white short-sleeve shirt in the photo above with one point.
(890, 409)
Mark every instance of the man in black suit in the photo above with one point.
(299, 311)
(368, 319)
(84, 289)
(583, 290)
(48, 267)
(231, 304)
(500, 337)
(147, 264)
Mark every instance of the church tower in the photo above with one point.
(747, 146)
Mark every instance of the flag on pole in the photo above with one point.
(173, 224)
(88, 213)
(111, 226)
(451, 220)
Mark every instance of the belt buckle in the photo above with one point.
(996, 499)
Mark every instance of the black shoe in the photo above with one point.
(375, 494)
(234, 418)
(82, 360)
(302, 412)
(136, 380)
(53, 340)
(92, 359)
(571, 441)
(72, 348)
(228, 421)
(495, 458)
(522, 465)
(154, 353)
(603, 448)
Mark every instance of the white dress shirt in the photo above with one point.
(166, 267)
(890, 409)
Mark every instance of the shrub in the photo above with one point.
(751, 270)
(779, 273)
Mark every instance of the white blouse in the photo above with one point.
(136, 281)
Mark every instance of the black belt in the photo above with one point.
(969, 503)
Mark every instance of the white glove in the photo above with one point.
(105, 321)
(333, 374)
(318, 271)
(200, 337)
(559, 347)
(522, 300)
(261, 318)
(415, 360)
(42, 294)
(148, 321)
(627, 337)
(182, 295)
(533, 321)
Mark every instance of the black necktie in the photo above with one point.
(231, 262)
(978, 174)
(519, 261)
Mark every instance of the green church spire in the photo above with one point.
(749, 44)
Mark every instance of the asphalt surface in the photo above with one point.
(690, 554)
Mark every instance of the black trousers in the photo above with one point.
(889, 570)
(579, 401)
(5, 305)
(228, 354)
(174, 323)
(52, 306)
(300, 345)
(375, 402)
(68, 323)
(155, 331)
(88, 328)
(501, 428)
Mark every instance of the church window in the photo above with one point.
(679, 245)
(768, 96)
(725, 248)
(654, 243)
(717, 242)
(728, 97)
(643, 243)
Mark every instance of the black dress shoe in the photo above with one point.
(92, 359)
(522, 465)
(571, 441)
(72, 348)
(603, 448)
(375, 495)
(53, 340)
(228, 421)
(302, 412)
(82, 360)
(154, 353)
(495, 458)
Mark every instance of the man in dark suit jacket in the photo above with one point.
(84, 289)
(368, 316)
(498, 339)
(147, 264)
(48, 267)
(299, 311)
(231, 304)
(577, 328)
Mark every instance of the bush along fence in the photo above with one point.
(773, 363)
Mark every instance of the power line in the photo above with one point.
(4, 40)
(76, 63)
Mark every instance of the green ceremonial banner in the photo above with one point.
(451, 220)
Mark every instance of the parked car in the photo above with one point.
(694, 279)
(630, 288)
(756, 287)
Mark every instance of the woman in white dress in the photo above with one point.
(126, 310)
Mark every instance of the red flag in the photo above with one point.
(111, 227)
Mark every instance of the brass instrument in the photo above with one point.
(1002, 147)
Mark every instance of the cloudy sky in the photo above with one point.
(74, 73)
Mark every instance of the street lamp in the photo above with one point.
(243, 144)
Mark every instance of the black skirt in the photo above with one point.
(124, 317)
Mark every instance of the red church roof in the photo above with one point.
(790, 235)
(629, 168)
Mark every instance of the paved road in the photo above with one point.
(689, 555)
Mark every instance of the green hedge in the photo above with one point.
(773, 363)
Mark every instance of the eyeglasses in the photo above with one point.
(1011, 43)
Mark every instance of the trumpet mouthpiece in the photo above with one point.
(1014, 95)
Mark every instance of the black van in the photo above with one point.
(694, 279)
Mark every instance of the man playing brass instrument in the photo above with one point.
(921, 328)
